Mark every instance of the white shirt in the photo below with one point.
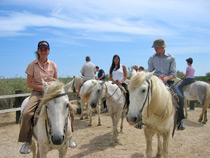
(118, 74)
(88, 70)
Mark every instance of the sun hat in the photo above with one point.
(159, 43)
(44, 44)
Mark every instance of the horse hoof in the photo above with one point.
(89, 125)
(158, 156)
(81, 118)
(204, 122)
(200, 120)
(99, 124)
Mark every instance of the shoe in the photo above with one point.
(104, 110)
(78, 98)
(26, 148)
(72, 143)
(180, 126)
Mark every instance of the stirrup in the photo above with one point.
(72, 143)
(26, 148)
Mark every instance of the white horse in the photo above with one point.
(151, 104)
(94, 90)
(53, 127)
(200, 91)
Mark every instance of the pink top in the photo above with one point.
(38, 72)
(191, 72)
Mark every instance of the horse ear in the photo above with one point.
(44, 84)
(68, 86)
(149, 75)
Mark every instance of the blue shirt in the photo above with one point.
(101, 71)
(165, 64)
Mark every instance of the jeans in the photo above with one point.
(184, 83)
(180, 103)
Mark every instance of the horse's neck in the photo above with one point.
(113, 91)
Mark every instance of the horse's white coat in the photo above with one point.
(93, 90)
(56, 110)
(200, 91)
(149, 94)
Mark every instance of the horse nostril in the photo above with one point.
(93, 105)
(134, 119)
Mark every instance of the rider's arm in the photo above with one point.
(32, 85)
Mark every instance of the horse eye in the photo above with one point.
(67, 105)
(143, 91)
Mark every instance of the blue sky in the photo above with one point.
(100, 29)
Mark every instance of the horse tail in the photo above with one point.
(207, 97)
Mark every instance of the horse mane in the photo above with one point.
(52, 91)
(139, 78)
(86, 94)
(136, 80)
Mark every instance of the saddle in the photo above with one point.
(187, 87)
(125, 92)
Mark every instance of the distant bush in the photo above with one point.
(9, 86)
(203, 78)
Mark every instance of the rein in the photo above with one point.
(112, 93)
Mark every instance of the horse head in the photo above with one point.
(140, 96)
(92, 91)
(56, 103)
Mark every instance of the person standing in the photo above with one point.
(41, 68)
(118, 75)
(164, 65)
(88, 71)
(189, 75)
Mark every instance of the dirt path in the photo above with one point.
(94, 142)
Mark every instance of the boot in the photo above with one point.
(26, 148)
(72, 143)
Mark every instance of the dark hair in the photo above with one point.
(87, 58)
(113, 64)
(189, 60)
(97, 67)
(141, 67)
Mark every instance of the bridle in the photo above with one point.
(48, 123)
(139, 119)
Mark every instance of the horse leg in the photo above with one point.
(205, 107)
(148, 135)
(82, 112)
(90, 116)
(185, 108)
(42, 151)
(37, 154)
(87, 111)
(159, 149)
(62, 151)
(122, 118)
(205, 117)
(166, 136)
(33, 149)
(99, 112)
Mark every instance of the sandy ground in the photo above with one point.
(94, 141)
